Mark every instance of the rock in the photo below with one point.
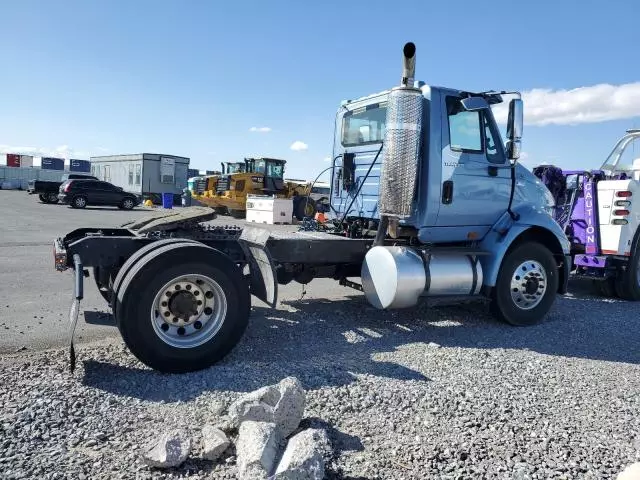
(214, 441)
(256, 449)
(304, 456)
(170, 450)
(632, 472)
(282, 404)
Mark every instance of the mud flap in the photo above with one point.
(263, 278)
(74, 311)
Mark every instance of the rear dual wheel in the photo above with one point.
(181, 306)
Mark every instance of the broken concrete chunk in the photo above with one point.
(170, 450)
(304, 456)
(256, 449)
(214, 441)
(282, 404)
(632, 472)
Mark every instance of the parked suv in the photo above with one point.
(80, 193)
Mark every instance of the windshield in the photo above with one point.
(364, 125)
(235, 167)
(275, 170)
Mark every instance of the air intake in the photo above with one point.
(402, 138)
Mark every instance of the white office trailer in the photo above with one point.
(146, 174)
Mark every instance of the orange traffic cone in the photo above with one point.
(320, 217)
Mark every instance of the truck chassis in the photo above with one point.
(179, 288)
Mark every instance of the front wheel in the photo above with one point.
(305, 207)
(42, 198)
(526, 286)
(52, 197)
(182, 307)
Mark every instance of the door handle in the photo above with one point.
(493, 171)
(447, 192)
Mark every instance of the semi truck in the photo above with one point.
(431, 203)
(597, 210)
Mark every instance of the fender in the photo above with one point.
(506, 230)
(262, 282)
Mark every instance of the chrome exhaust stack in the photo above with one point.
(402, 140)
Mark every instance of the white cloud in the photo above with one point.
(299, 146)
(260, 129)
(597, 103)
(61, 151)
(327, 159)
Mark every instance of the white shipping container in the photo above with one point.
(26, 160)
(269, 209)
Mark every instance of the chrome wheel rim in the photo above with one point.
(81, 202)
(188, 311)
(528, 285)
(53, 197)
(128, 203)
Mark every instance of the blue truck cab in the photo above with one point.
(427, 165)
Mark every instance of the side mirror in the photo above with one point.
(515, 123)
(515, 120)
(513, 149)
(473, 104)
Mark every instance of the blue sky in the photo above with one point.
(193, 77)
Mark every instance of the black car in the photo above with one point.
(48, 191)
(80, 193)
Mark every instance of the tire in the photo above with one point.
(52, 197)
(79, 202)
(304, 208)
(516, 267)
(127, 204)
(42, 198)
(176, 269)
(606, 288)
(133, 259)
(627, 282)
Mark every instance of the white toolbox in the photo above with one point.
(269, 209)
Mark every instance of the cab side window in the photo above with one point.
(465, 133)
(473, 132)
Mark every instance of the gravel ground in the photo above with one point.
(438, 392)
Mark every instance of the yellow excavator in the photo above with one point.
(260, 176)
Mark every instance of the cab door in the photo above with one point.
(476, 177)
